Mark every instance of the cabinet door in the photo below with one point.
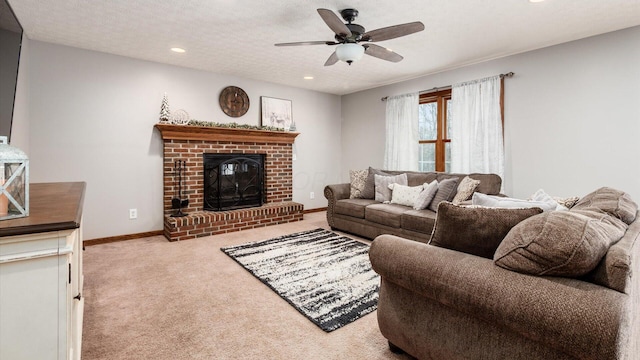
(29, 284)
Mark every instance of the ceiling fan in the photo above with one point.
(349, 36)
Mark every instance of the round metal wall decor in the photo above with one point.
(234, 101)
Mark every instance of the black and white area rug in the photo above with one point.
(325, 276)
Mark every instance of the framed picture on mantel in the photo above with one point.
(276, 113)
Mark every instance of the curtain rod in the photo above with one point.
(502, 76)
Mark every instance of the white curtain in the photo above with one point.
(476, 127)
(401, 145)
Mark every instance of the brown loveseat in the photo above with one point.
(437, 303)
(369, 218)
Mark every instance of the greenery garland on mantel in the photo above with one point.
(232, 125)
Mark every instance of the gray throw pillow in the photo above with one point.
(369, 192)
(475, 230)
(426, 196)
(559, 243)
(447, 189)
(383, 193)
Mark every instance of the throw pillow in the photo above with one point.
(405, 195)
(560, 243)
(447, 189)
(475, 230)
(369, 191)
(358, 179)
(465, 189)
(383, 193)
(424, 199)
(505, 202)
(614, 202)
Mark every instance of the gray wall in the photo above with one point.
(91, 118)
(572, 116)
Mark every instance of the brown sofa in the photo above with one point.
(369, 218)
(437, 303)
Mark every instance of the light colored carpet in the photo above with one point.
(152, 299)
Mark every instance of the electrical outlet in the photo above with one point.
(312, 195)
(133, 214)
(293, 157)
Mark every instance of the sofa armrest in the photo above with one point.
(334, 193)
(567, 314)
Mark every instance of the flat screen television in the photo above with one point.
(10, 43)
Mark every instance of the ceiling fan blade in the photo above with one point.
(393, 32)
(333, 21)
(308, 43)
(332, 59)
(382, 53)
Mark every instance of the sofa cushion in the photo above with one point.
(352, 207)
(490, 184)
(560, 243)
(465, 189)
(385, 214)
(358, 179)
(418, 220)
(475, 230)
(417, 178)
(369, 191)
(426, 196)
(614, 202)
(405, 195)
(447, 189)
(383, 193)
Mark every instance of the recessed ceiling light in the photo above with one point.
(308, 77)
(535, 1)
(178, 50)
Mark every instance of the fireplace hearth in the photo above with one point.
(233, 181)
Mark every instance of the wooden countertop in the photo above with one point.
(52, 207)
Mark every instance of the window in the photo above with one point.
(434, 129)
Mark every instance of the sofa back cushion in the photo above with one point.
(490, 184)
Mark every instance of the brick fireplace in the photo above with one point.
(189, 143)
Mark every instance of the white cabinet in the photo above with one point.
(41, 304)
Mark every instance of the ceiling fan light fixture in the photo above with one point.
(349, 52)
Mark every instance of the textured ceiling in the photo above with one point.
(236, 37)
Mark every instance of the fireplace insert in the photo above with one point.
(233, 181)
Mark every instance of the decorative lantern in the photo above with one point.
(14, 181)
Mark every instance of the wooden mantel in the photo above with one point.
(187, 132)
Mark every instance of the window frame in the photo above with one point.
(440, 97)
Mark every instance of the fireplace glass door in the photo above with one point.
(233, 181)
